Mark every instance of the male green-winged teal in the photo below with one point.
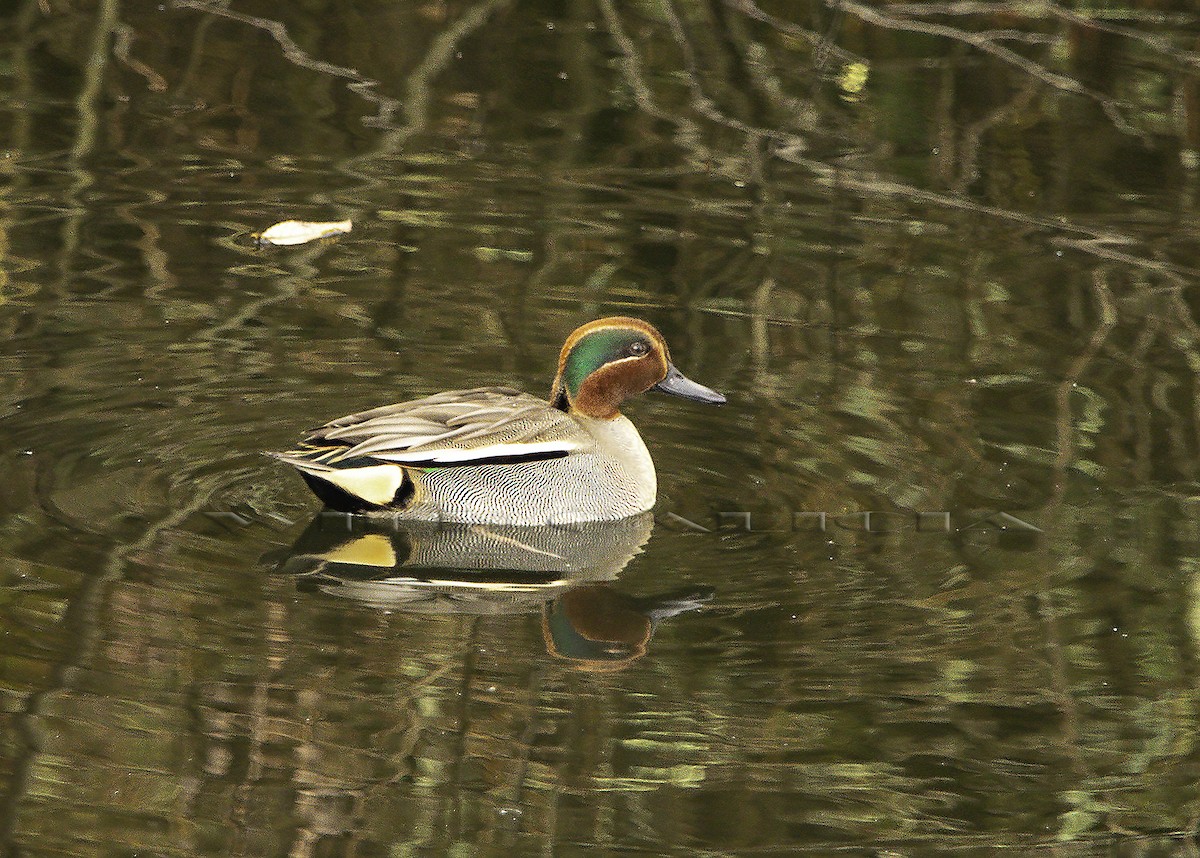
(493, 454)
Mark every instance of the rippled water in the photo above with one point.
(926, 584)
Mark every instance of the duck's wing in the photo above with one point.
(485, 425)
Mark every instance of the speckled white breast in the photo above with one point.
(619, 439)
(609, 479)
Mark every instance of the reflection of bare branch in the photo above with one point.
(1022, 36)
(85, 614)
(86, 103)
(22, 75)
(1191, 346)
(416, 106)
(121, 46)
(87, 106)
(1057, 659)
(788, 146)
(973, 7)
(186, 77)
(701, 102)
(1094, 19)
(984, 43)
(755, 69)
(1158, 43)
(972, 135)
(631, 65)
(154, 256)
(1103, 247)
(821, 43)
(359, 83)
(441, 52)
(1085, 239)
(419, 87)
(1070, 382)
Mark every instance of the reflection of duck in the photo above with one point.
(495, 569)
(471, 568)
(600, 628)
(498, 455)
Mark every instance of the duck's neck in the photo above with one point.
(588, 404)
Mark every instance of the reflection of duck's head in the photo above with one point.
(598, 628)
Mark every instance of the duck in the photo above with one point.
(495, 455)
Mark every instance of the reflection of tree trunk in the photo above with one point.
(1096, 56)
(19, 138)
(1190, 96)
(22, 72)
(87, 107)
(94, 69)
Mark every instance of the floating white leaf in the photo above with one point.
(290, 232)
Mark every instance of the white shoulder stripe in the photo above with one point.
(492, 451)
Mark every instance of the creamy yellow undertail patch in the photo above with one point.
(375, 484)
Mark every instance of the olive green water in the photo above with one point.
(942, 259)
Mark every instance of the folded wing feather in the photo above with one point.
(452, 428)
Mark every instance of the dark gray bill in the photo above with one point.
(678, 384)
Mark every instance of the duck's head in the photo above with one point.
(605, 362)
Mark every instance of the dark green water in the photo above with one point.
(942, 259)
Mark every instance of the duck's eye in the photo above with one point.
(639, 347)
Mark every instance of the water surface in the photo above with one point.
(940, 257)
